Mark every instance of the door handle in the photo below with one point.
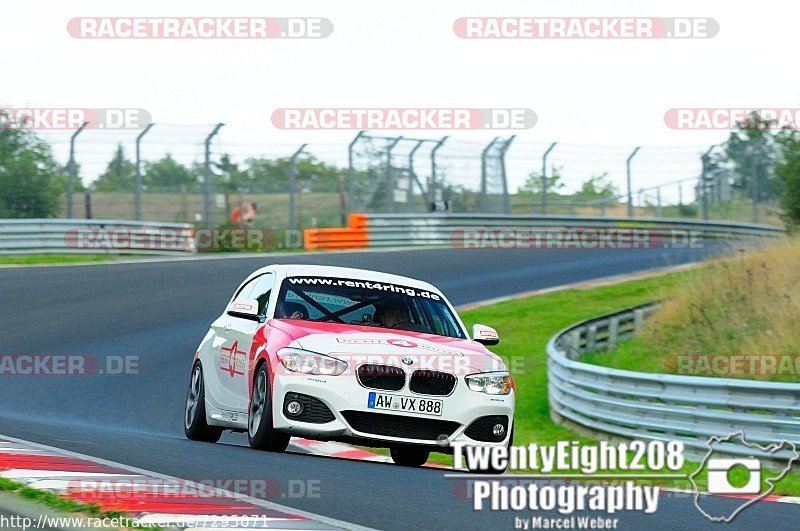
(227, 327)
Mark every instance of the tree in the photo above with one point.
(753, 149)
(788, 171)
(533, 184)
(167, 173)
(272, 175)
(597, 187)
(31, 182)
(120, 175)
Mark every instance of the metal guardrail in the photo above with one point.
(465, 230)
(447, 229)
(76, 236)
(635, 405)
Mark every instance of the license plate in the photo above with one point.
(405, 404)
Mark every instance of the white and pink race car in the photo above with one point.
(350, 355)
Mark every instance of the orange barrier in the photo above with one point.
(354, 236)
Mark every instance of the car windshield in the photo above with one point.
(366, 303)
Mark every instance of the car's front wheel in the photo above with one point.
(409, 456)
(260, 431)
(194, 423)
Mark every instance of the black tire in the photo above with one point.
(492, 470)
(194, 419)
(409, 456)
(261, 433)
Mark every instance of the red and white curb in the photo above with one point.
(345, 451)
(151, 498)
(340, 450)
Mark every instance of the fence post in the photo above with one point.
(138, 198)
(754, 184)
(703, 179)
(351, 172)
(389, 176)
(658, 202)
(72, 169)
(544, 177)
(482, 199)
(207, 222)
(503, 151)
(628, 172)
(412, 178)
(293, 185)
(432, 183)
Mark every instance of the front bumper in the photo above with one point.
(347, 401)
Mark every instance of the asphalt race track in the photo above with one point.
(160, 311)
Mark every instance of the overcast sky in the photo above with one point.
(585, 92)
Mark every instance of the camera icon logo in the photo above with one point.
(719, 480)
(735, 467)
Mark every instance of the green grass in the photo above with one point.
(526, 325)
(58, 258)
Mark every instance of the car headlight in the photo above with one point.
(491, 383)
(306, 362)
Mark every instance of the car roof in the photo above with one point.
(300, 270)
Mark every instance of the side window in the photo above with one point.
(260, 288)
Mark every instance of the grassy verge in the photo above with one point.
(525, 325)
(736, 318)
(59, 258)
(58, 503)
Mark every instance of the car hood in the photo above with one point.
(368, 344)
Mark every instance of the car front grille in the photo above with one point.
(483, 428)
(386, 377)
(427, 382)
(399, 426)
(314, 410)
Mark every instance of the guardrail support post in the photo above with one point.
(207, 222)
(293, 186)
(138, 198)
(638, 320)
(544, 177)
(73, 171)
(613, 331)
(591, 337)
(628, 173)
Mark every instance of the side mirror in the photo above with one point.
(485, 335)
(245, 309)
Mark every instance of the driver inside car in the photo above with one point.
(395, 313)
(291, 310)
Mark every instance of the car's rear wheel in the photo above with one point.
(194, 424)
(409, 455)
(260, 431)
